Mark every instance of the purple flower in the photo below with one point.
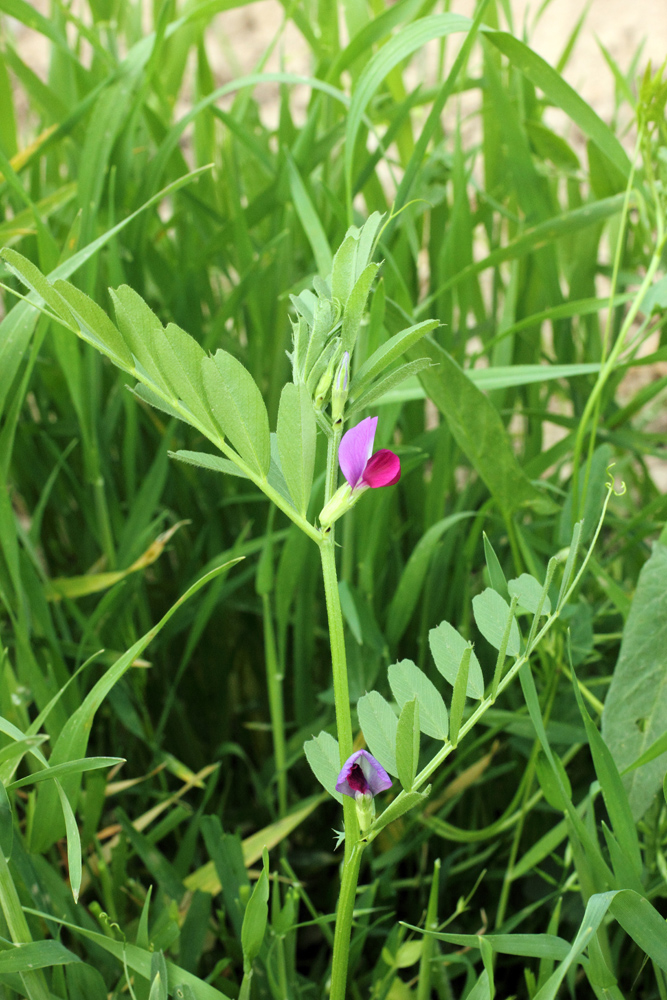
(362, 773)
(359, 465)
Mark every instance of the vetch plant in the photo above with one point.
(362, 469)
(218, 397)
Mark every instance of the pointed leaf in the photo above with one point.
(379, 723)
(238, 407)
(297, 433)
(491, 614)
(323, 755)
(528, 592)
(408, 681)
(447, 647)
(407, 743)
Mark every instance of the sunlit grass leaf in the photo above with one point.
(139, 959)
(407, 681)
(562, 95)
(447, 647)
(239, 409)
(309, 219)
(35, 955)
(491, 614)
(478, 430)
(409, 40)
(407, 594)
(379, 724)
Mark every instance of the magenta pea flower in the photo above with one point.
(362, 469)
(362, 774)
(359, 465)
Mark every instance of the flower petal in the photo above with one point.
(383, 469)
(362, 773)
(356, 448)
(376, 776)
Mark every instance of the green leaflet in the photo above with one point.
(239, 409)
(407, 743)
(379, 724)
(95, 325)
(204, 460)
(407, 681)
(388, 353)
(297, 433)
(447, 648)
(528, 592)
(635, 710)
(323, 755)
(178, 357)
(491, 614)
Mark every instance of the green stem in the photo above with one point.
(274, 680)
(487, 702)
(337, 639)
(34, 982)
(344, 914)
(353, 848)
(332, 462)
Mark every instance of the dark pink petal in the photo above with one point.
(383, 469)
(362, 773)
(356, 448)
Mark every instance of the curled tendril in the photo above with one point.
(610, 485)
(111, 924)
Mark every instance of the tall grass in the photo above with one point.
(163, 627)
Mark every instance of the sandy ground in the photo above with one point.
(238, 39)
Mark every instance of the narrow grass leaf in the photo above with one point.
(614, 794)
(73, 843)
(73, 739)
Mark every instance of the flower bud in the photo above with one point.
(340, 389)
(365, 803)
(339, 504)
